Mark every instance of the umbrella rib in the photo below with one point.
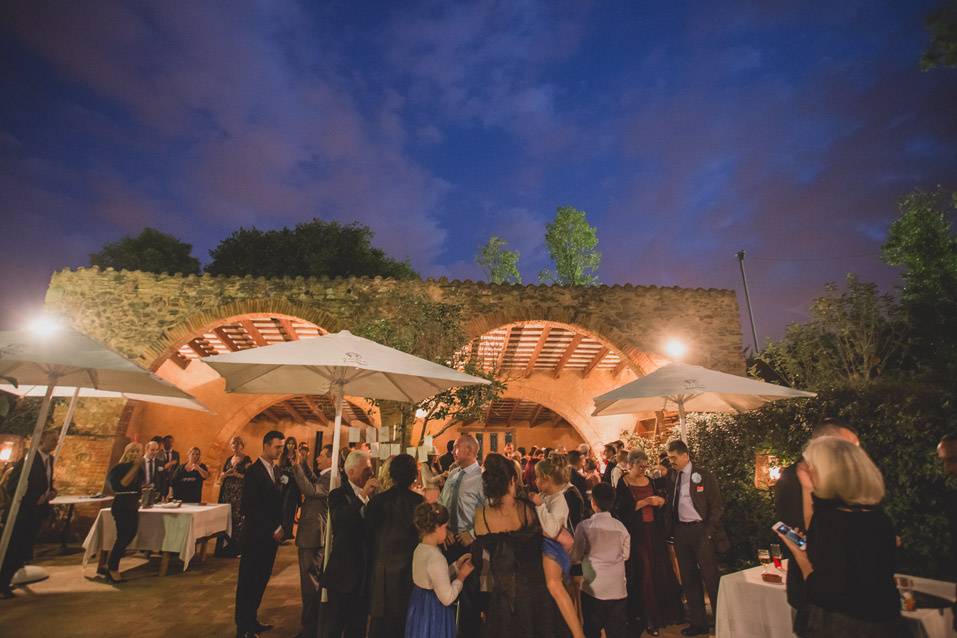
(360, 374)
(396, 385)
(260, 375)
(316, 370)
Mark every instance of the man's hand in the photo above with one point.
(449, 539)
(370, 487)
(465, 539)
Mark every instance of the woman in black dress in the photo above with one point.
(231, 491)
(390, 521)
(291, 496)
(125, 480)
(653, 593)
(188, 478)
(848, 567)
(508, 528)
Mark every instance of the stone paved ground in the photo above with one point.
(198, 602)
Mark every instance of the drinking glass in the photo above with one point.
(764, 557)
(776, 555)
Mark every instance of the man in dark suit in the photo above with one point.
(169, 458)
(792, 496)
(310, 535)
(262, 532)
(346, 574)
(33, 509)
(447, 459)
(610, 454)
(693, 513)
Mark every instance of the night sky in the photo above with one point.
(686, 130)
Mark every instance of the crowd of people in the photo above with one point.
(539, 542)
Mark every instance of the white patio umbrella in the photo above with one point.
(341, 363)
(89, 393)
(65, 358)
(691, 389)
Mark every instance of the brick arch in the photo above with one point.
(636, 356)
(207, 320)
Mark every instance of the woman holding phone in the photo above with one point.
(848, 564)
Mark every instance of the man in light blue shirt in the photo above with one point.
(462, 494)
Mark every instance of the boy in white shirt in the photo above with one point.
(602, 545)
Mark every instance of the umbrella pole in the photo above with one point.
(67, 422)
(333, 483)
(682, 419)
(25, 469)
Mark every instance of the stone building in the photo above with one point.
(556, 346)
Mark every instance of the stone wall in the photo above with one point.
(96, 435)
(145, 316)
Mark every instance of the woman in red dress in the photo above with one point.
(653, 593)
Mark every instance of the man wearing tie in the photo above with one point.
(262, 531)
(152, 468)
(693, 512)
(33, 509)
(461, 495)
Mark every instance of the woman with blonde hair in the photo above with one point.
(125, 480)
(848, 568)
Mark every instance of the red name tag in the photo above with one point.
(701, 488)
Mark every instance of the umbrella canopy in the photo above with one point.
(64, 357)
(74, 360)
(691, 389)
(314, 366)
(88, 393)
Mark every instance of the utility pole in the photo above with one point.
(747, 300)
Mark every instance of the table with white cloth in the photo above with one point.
(172, 531)
(749, 607)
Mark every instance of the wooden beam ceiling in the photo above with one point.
(225, 338)
(501, 355)
(569, 351)
(288, 329)
(538, 350)
(594, 362)
(254, 333)
(538, 410)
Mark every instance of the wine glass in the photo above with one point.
(776, 555)
(764, 557)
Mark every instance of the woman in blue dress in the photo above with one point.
(437, 584)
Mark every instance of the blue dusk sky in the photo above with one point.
(686, 130)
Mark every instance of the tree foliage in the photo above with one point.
(573, 246)
(311, 249)
(433, 330)
(150, 251)
(900, 424)
(921, 241)
(851, 338)
(500, 265)
(942, 49)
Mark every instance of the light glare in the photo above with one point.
(676, 348)
(44, 326)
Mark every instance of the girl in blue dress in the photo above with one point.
(437, 584)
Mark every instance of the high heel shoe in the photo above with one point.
(114, 577)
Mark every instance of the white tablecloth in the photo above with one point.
(748, 607)
(161, 529)
(80, 500)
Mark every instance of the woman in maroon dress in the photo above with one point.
(653, 594)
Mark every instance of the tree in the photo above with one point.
(433, 330)
(311, 249)
(573, 247)
(942, 49)
(851, 339)
(922, 242)
(150, 251)
(500, 265)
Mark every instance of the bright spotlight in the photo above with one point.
(676, 349)
(44, 326)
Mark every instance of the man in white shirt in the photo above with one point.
(602, 545)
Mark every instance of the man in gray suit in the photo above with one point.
(310, 536)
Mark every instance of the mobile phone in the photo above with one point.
(791, 535)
